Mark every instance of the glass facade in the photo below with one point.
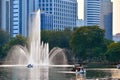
(92, 12)
(99, 12)
(15, 15)
(64, 12)
(46, 21)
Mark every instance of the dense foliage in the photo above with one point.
(57, 38)
(4, 37)
(113, 52)
(87, 42)
(18, 40)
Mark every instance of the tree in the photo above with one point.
(86, 40)
(18, 40)
(113, 52)
(4, 37)
(57, 38)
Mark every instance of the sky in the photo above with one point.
(116, 14)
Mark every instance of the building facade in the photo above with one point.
(92, 12)
(106, 19)
(99, 12)
(5, 15)
(46, 21)
(64, 12)
(20, 12)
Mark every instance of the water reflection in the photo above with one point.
(80, 77)
(40, 73)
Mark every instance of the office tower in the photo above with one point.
(15, 17)
(5, 15)
(99, 12)
(46, 21)
(106, 18)
(64, 12)
(20, 12)
(92, 12)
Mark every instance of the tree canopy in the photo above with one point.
(56, 38)
(87, 40)
(113, 52)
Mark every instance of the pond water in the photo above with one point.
(38, 73)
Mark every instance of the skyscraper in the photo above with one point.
(99, 12)
(106, 18)
(64, 12)
(46, 21)
(20, 11)
(15, 17)
(5, 15)
(92, 12)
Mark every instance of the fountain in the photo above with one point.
(33, 58)
(35, 53)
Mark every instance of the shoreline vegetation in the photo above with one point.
(86, 44)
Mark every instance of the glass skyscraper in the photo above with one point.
(99, 12)
(92, 12)
(64, 12)
(5, 15)
(46, 21)
(20, 12)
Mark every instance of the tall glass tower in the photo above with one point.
(99, 12)
(92, 12)
(64, 12)
(20, 11)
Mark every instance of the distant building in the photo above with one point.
(20, 12)
(64, 12)
(79, 23)
(5, 15)
(106, 18)
(116, 37)
(46, 21)
(99, 12)
(92, 12)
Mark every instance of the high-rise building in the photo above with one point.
(46, 21)
(15, 17)
(99, 12)
(64, 12)
(20, 11)
(5, 15)
(92, 12)
(106, 18)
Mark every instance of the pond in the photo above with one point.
(53, 73)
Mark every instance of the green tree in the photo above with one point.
(113, 52)
(86, 41)
(57, 38)
(18, 40)
(4, 37)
